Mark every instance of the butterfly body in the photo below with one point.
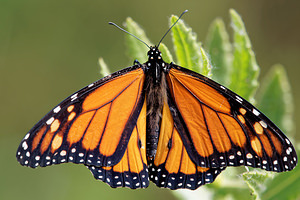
(157, 121)
(156, 96)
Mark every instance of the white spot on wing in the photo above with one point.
(26, 136)
(239, 99)
(57, 109)
(63, 153)
(255, 112)
(263, 124)
(49, 121)
(74, 96)
(249, 155)
(264, 162)
(81, 154)
(24, 145)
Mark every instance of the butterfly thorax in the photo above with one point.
(156, 96)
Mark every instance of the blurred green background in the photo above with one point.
(49, 49)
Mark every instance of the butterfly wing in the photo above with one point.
(132, 170)
(219, 128)
(93, 126)
(172, 167)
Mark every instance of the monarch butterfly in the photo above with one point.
(156, 121)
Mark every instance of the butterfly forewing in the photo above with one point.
(220, 128)
(81, 128)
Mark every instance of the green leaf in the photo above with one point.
(284, 186)
(206, 69)
(230, 185)
(220, 51)
(187, 49)
(275, 99)
(104, 69)
(136, 49)
(233, 193)
(245, 69)
(166, 54)
(257, 180)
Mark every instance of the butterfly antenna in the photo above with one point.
(171, 27)
(111, 23)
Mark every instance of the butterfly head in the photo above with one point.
(155, 59)
(155, 64)
(154, 54)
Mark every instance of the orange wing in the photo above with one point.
(172, 167)
(93, 126)
(132, 170)
(219, 128)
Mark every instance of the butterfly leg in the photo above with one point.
(136, 62)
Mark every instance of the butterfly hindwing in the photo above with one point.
(80, 128)
(172, 167)
(220, 128)
(132, 170)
